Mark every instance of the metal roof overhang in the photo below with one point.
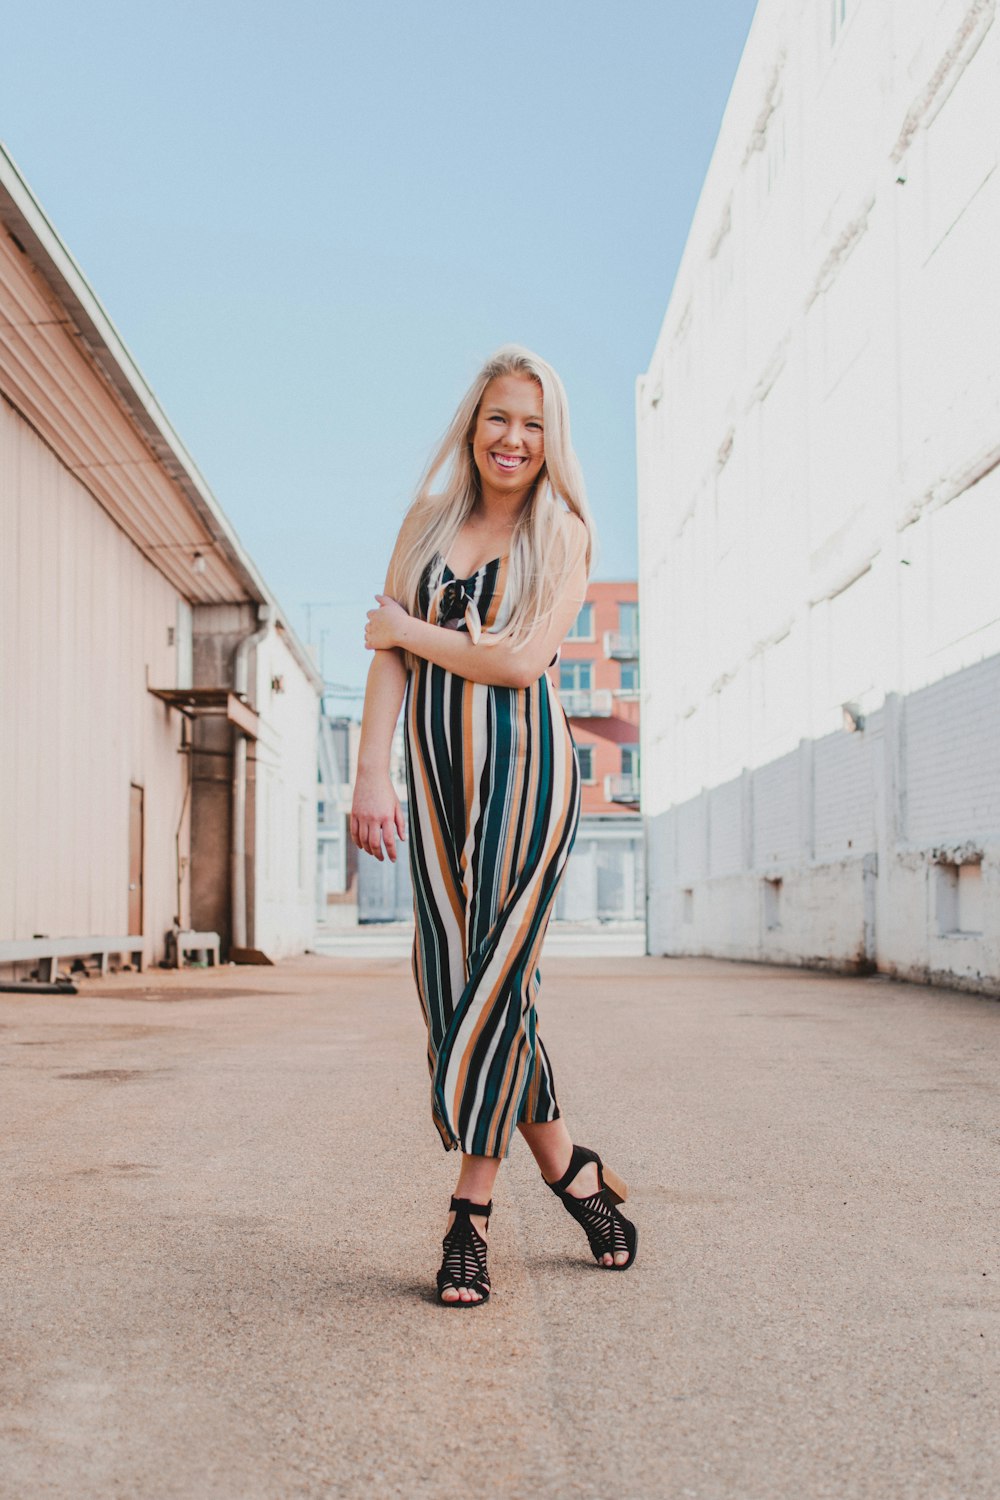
(26, 221)
(215, 702)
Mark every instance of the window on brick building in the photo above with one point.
(586, 754)
(629, 676)
(582, 628)
(576, 676)
(630, 760)
(628, 617)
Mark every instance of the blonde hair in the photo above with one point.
(541, 552)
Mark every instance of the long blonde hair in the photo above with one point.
(540, 553)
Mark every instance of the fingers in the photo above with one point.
(361, 828)
(367, 837)
(370, 835)
(370, 831)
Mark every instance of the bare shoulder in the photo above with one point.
(409, 526)
(410, 523)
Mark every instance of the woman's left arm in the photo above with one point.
(484, 661)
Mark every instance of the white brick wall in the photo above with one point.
(844, 797)
(776, 830)
(952, 758)
(691, 842)
(725, 815)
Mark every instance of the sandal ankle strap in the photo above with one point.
(465, 1207)
(581, 1156)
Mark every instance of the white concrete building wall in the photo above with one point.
(819, 500)
(285, 814)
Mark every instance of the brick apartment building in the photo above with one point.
(597, 675)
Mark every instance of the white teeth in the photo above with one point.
(508, 461)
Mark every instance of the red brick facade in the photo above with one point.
(598, 679)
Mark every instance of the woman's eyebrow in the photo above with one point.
(503, 412)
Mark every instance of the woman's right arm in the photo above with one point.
(376, 814)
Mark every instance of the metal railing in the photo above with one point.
(622, 645)
(587, 703)
(621, 788)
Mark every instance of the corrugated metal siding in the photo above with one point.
(83, 629)
(47, 375)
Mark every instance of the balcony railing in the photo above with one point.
(621, 788)
(587, 703)
(621, 645)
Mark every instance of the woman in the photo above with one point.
(493, 781)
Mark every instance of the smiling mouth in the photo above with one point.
(508, 462)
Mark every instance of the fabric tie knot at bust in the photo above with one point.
(456, 603)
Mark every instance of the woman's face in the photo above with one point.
(508, 443)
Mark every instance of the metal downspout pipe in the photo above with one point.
(238, 840)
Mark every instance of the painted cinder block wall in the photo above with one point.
(819, 508)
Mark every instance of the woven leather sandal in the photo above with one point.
(464, 1263)
(608, 1231)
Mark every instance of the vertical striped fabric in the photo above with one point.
(493, 780)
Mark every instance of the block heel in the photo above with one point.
(607, 1230)
(617, 1186)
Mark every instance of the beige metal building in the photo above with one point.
(158, 717)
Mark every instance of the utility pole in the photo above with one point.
(309, 607)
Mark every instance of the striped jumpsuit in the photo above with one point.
(493, 780)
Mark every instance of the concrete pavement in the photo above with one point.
(562, 939)
(224, 1202)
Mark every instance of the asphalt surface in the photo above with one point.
(224, 1199)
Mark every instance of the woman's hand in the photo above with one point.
(384, 624)
(376, 815)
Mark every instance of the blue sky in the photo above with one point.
(311, 222)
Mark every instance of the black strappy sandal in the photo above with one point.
(464, 1264)
(608, 1231)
